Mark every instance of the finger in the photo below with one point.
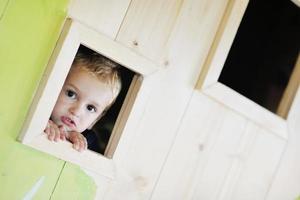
(62, 133)
(82, 144)
(50, 122)
(76, 143)
(56, 133)
(51, 133)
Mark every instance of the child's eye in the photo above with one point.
(71, 94)
(91, 108)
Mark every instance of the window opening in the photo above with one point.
(99, 135)
(264, 52)
(133, 69)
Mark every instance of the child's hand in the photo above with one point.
(78, 140)
(54, 132)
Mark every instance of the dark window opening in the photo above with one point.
(264, 52)
(99, 135)
(104, 127)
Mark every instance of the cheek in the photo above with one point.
(88, 121)
(60, 104)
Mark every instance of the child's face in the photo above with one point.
(81, 100)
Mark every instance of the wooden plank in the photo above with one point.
(297, 2)
(90, 160)
(224, 157)
(103, 16)
(203, 152)
(163, 98)
(253, 163)
(248, 108)
(287, 181)
(148, 25)
(115, 51)
(255, 166)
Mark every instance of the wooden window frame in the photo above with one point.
(73, 35)
(209, 85)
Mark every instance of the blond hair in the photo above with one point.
(103, 68)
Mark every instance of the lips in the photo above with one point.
(68, 121)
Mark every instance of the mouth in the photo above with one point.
(68, 121)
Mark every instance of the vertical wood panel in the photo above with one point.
(257, 165)
(145, 143)
(287, 181)
(219, 155)
(203, 152)
(148, 25)
(104, 16)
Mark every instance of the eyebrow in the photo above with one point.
(77, 90)
(96, 104)
(73, 86)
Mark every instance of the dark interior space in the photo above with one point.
(99, 136)
(103, 128)
(264, 52)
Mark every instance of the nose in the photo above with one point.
(76, 109)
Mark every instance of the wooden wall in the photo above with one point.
(185, 145)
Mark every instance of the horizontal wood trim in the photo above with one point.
(115, 51)
(249, 109)
(86, 159)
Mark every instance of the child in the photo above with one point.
(91, 87)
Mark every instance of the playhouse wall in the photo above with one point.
(185, 144)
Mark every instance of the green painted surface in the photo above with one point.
(74, 184)
(20, 169)
(29, 30)
(3, 4)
